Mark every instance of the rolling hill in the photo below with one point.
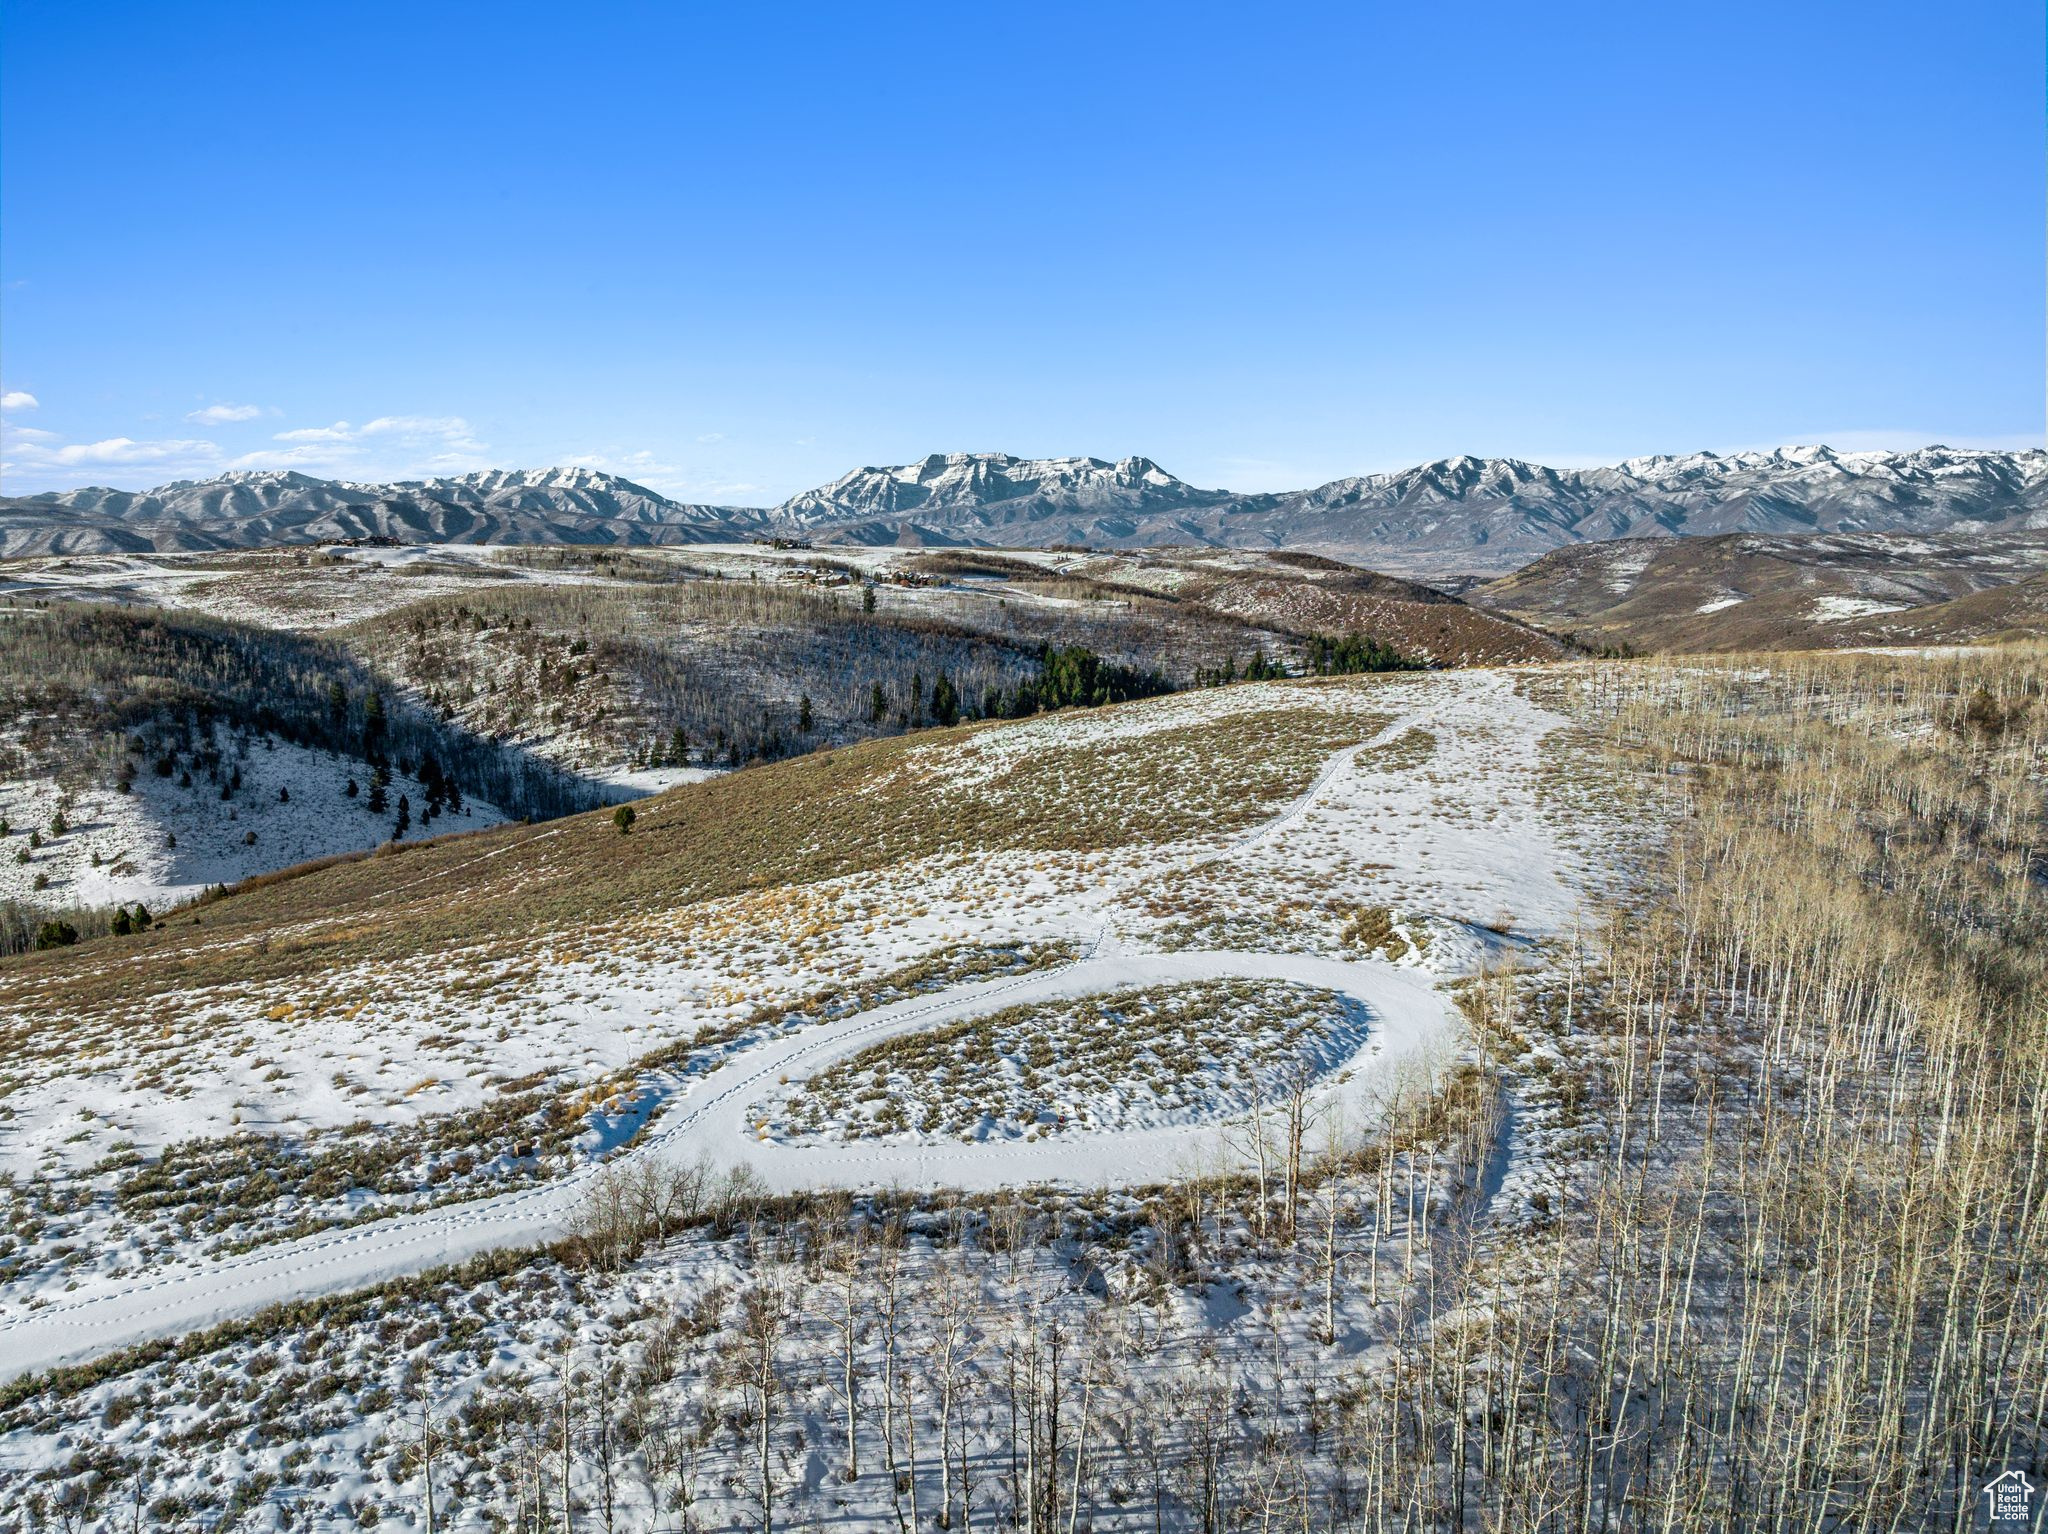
(1752, 591)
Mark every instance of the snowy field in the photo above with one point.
(449, 1106)
(1169, 1055)
(1456, 842)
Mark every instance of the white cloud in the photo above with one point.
(1897, 440)
(18, 399)
(382, 449)
(111, 450)
(221, 415)
(306, 455)
(127, 450)
(449, 433)
(677, 481)
(32, 434)
(386, 447)
(452, 433)
(417, 426)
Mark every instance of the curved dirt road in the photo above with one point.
(1406, 1017)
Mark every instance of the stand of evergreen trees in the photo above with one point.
(1074, 676)
(1351, 653)
(1323, 655)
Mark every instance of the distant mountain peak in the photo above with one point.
(996, 490)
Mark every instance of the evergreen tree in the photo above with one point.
(878, 704)
(945, 702)
(1352, 653)
(678, 748)
(803, 714)
(623, 817)
(867, 598)
(404, 818)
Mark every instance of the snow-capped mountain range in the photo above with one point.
(1456, 515)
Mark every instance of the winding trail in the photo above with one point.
(1408, 1020)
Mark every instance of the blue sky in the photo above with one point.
(734, 251)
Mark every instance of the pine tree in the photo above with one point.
(803, 714)
(878, 704)
(867, 598)
(623, 817)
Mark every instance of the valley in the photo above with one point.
(146, 688)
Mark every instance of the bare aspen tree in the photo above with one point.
(766, 1312)
(849, 1321)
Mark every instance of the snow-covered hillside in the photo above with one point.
(171, 837)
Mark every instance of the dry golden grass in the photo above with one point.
(868, 807)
